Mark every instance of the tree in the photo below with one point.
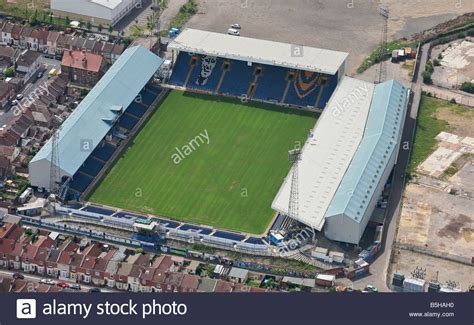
(427, 77)
(89, 25)
(468, 87)
(100, 27)
(110, 29)
(10, 72)
(67, 21)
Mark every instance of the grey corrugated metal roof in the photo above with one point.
(384, 125)
(93, 118)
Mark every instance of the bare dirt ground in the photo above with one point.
(437, 221)
(343, 25)
(460, 120)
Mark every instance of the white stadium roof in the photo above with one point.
(258, 51)
(328, 153)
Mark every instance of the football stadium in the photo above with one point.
(205, 151)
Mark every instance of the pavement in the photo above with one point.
(379, 268)
(37, 278)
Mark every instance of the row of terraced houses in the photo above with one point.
(54, 42)
(101, 265)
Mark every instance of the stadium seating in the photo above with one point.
(180, 69)
(136, 109)
(201, 230)
(305, 89)
(196, 81)
(104, 152)
(127, 121)
(80, 182)
(271, 83)
(153, 89)
(228, 235)
(168, 223)
(238, 79)
(91, 167)
(147, 96)
(99, 210)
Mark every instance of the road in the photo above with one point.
(380, 266)
(37, 278)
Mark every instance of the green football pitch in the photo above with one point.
(207, 160)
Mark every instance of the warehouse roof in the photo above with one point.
(96, 114)
(259, 51)
(111, 4)
(328, 153)
(380, 141)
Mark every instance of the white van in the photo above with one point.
(232, 31)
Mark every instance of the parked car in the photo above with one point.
(19, 96)
(63, 284)
(371, 288)
(39, 75)
(17, 275)
(47, 281)
(14, 102)
(235, 26)
(75, 286)
(232, 31)
(94, 290)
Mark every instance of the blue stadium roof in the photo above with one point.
(96, 114)
(379, 142)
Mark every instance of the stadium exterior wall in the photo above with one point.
(343, 229)
(39, 173)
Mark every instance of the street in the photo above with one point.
(47, 65)
(37, 278)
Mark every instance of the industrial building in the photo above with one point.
(347, 159)
(107, 12)
(90, 135)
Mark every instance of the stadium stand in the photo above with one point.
(257, 69)
(95, 119)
